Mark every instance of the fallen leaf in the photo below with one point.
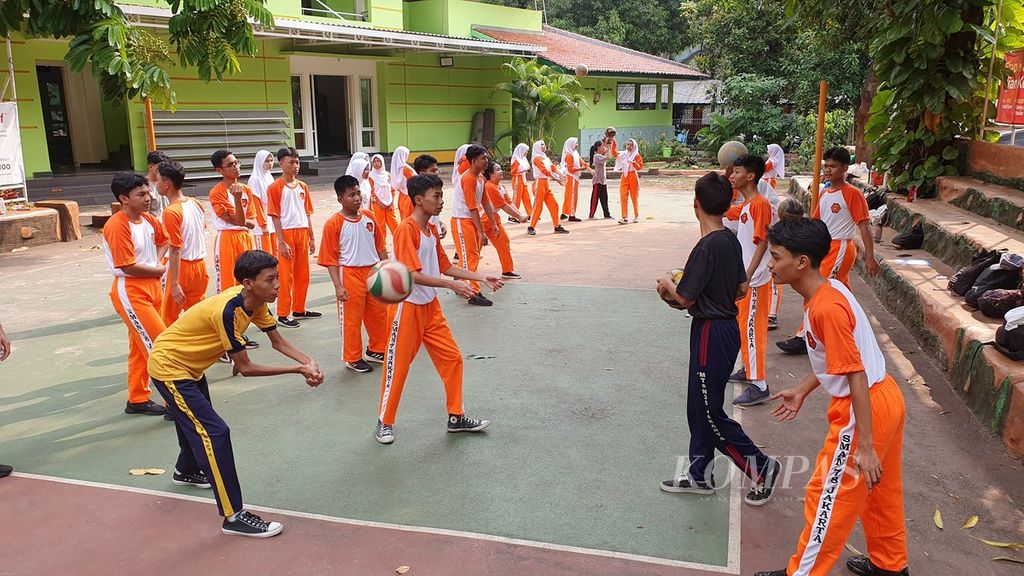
(938, 519)
(854, 550)
(1008, 559)
(943, 412)
(145, 471)
(970, 523)
(1001, 544)
(402, 569)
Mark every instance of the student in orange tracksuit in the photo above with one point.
(381, 194)
(493, 228)
(628, 162)
(185, 222)
(520, 191)
(756, 215)
(400, 174)
(470, 207)
(290, 206)
(351, 244)
(543, 171)
(261, 179)
(235, 213)
(858, 470)
(418, 320)
(134, 243)
(572, 165)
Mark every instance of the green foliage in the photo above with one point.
(129, 61)
(541, 95)
(838, 126)
(753, 115)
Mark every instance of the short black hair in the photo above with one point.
(287, 152)
(344, 183)
(474, 151)
(218, 157)
(423, 162)
(156, 157)
(751, 163)
(173, 171)
(123, 183)
(489, 171)
(418, 185)
(839, 154)
(713, 195)
(791, 208)
(251, 263)
(806, 236)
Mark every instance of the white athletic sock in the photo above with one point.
(761, 385)
(234, 516)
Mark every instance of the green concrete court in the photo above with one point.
(583, 387)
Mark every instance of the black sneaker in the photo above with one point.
(167, 415)
(5, 470)
(308, 314)
(560, 230)
(862, 566)
(479, 299)
(463, 423)
(359, 366)
(225, 358)
(773, 323)
(251, 525)
(761, 493)
(372, 356)
(794, 345)
(564, 217)
(511, 275)
(574, 219)
(512, 220)
(685, 486)
(287, 322)
(197, 480)
(149, 408)
(739, 376)
(531, 230)
(752, 396)
(772, 573)
(385, 433)
(250, 343)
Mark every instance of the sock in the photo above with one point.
(761, 385)
(234, 516)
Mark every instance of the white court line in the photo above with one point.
(731, 567)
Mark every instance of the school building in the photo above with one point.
(333, 77)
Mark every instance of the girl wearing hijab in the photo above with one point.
(259, 181)
(629, 162)
(520, 165)
(459, 165)
(572, 165)
(380, 193)
(775, 167)
(543, 170)
(400, 174)
(359, 168)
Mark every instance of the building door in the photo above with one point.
(331, 113)
(53, 99)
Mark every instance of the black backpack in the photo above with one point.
(1011, 342)
(962, 281)
(996, 303)
(994, 277)
(912, 239)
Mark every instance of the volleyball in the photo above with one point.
(677, 275)
(729, 152)
(582, 70)
(389, 281)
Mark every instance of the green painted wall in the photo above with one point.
(604, 113)
(463, 14)
(115, 125)
(426, 16)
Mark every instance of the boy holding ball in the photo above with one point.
(714, 277)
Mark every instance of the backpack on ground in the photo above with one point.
(911, 239)
(962, 281)
(1004, 275)
(996, 303)
(1010, 336)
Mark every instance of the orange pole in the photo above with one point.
(150, 132)
(819, 144)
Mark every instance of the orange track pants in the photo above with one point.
(753, 321)
(544, 198)
(385, 216)
(467, 244)
(137, 301)
(572, 196)
(629, 188)
(267, 243)
(294, 273)
(776, 298)
(839, 262)
(413, 325)
(521, 195)
(405, 205)
(837, 496)
(193, 279)
(500, 242)
(227, 247)
(360, 310)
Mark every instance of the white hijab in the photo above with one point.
(259, 181)
(356, 167)
(624, 160)
(571, 148)
(519, 155)
(399, 162)
(360, 156)
(535, 153)
(778, 160)
(381, 181)
(459, 154)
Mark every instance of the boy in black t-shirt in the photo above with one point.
(714, 277)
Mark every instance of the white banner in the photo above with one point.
(12, 167)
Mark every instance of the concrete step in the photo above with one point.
(1000, 203)
(953, 234)
(996, 163)
(913, 286)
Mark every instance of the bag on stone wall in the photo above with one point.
(875, 199)
(912, 239)
(1010, 336)
(962, 281)
(996, 303)
(1004, 275)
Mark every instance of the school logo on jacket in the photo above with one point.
(743, 217)
(302, 195)
(811, 341)
(369, 226)
(836, 208)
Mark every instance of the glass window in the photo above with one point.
(366, 100)
(368, 139)
(666, 96)
(297, 103)
(648, 97)
(626, 97)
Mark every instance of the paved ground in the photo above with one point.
(584, 391)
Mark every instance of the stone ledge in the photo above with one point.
(1000, 203)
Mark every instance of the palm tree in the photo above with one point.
(541, 96)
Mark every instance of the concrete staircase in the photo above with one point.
(970, 214)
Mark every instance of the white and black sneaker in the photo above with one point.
(306, 315)
(248, 524)
(372, 356)
(385, 433)
(684, 485)
(513, 275)
(197, 480)
(360, 366)
(761, 493)
(463, 423)
(287, 322)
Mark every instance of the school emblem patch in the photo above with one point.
(369, 226)
(836, 208)
(811, 341)
(743, 217)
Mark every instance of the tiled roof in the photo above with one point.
(569, 50)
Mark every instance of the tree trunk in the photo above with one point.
(865, 150)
